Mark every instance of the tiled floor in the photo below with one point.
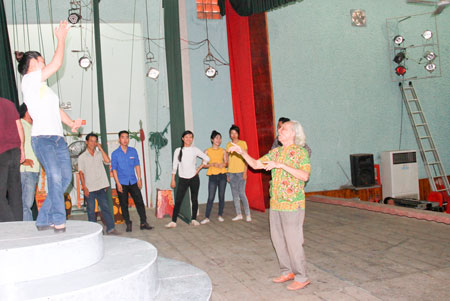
(352, 254)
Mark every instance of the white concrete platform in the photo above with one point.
(27, 254)
(81, 264)
(182, 281)
(128, 271)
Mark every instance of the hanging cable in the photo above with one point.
(50, 10)
(15, 35)
(39, 28)
(401, 124)
(23, 25)
(131, 68)
(92, 82)
(28, 29)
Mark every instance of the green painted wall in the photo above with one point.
(335, 79)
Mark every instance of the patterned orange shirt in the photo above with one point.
(286, 191)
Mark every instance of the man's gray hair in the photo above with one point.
(300, 137)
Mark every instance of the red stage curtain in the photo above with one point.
(243, 98)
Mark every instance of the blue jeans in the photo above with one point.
(103, 203)
(54, 156)
(29, 180)
(215, 181)
(237, 184)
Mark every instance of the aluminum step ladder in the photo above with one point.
(430, 157)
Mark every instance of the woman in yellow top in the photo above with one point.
(217, 172)
(237, 175)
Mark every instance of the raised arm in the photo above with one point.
(57, 60)
(105, 156)
(73, 124)
(255, 164)
(296, 172)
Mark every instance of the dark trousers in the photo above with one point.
(183, 184)
(11, 206)
(137, 198)
(215, 181)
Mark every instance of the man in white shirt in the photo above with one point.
(29, 170)
(95, 182)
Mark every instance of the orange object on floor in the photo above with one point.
(164, 203)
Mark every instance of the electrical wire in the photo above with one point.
(401, 123)
(28, 29)
(38, 19)
(50, 10)
(131, 67)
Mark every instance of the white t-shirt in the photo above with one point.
(43, 105)
(186, 168)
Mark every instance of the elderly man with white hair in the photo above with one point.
(290, 167)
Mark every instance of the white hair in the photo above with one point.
(300, 137)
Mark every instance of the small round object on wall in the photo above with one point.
(85, 62)
(74, 18)
(427, 34)
(429, 56)
(398, 40)
(430, 67)
(358, 17)
(400, 70)
(210, 72)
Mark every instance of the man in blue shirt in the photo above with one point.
(125, 166)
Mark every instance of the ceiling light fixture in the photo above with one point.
(211, 72)
(430, 67)
(400, 70)
(153, 73)
(429, 56)
(74, 12)
(85, 62)
(74, 17)
(427, 34)
(399, 57)
(398, 40)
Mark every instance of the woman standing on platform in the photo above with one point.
(237, 175)
(47, 138)
(217, 173)
(184, 159)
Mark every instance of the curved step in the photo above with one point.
(127, 271)
(27, 254)
(182, 281)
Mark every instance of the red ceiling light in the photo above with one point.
(400, 70)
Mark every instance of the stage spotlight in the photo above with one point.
(429, 56)
(85, 62)
(153, 73)
(210, 72)
(399, 57)
(400, 70)
(74, 17)
(430, 67)
(427, 34)
(398, 40)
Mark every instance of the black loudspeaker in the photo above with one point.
(363, 172)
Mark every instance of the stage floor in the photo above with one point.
(351, 254)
